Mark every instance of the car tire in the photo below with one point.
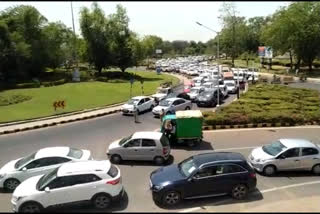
(187, 108)
(239, 192)
(269, 170)
(171, 198)
(116, 159)
(159, 160)
(11, 184)
(316, 169)
(30, 207)
(101, 201)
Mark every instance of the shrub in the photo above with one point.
(13, 99)
(27, 85)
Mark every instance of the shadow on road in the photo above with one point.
(293, 174)
(2, 190)
(205, 203)
(204, 145)
(87, 207)
(146, 163)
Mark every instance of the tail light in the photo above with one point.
(252, 175)
(114, 182)
(164, 151)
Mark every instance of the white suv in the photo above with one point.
(95, 181)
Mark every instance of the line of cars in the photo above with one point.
(80, 178)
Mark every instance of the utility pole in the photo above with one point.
(75, 39)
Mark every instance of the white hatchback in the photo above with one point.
(40, 162)
(95, 181)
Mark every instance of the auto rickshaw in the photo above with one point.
(183, 127)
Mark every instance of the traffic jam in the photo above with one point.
(53, 176)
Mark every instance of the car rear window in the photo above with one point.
(164, 141)
(113, 171)
(75, 153)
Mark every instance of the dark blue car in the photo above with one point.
(203, 175)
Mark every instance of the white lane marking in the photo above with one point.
(262, 191)
(263, 128)
(235, 148)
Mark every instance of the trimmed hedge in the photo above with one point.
(14, 99)
(265, 103)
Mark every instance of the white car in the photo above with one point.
(95, 181)
(231, 86)
(195, 91)
(40, 162)
(171, 105)
(198, 81)
(161, 94)
(143, 103)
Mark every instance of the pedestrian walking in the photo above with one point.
(135, 114)
(161, 115)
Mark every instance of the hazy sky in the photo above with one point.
(169, 20)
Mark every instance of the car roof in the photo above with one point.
(60, 151)
(139, 97)
(296, 142)
(217, 156)
(172, 99)
(83, 167)
(147, 135)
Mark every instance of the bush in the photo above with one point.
(14, 99)
(27, 85)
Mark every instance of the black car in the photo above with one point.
(203, 175)
(208, 98)
(184, 96)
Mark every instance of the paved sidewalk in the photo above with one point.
(13, 127)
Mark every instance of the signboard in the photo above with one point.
(158, 51)
(58, 104)
(268, 52)
(261, 51)
(76, 75)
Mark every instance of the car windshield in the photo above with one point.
(165, 103)
(274, 148)
(230, 84)
(75, 153)
(187, 166)
(206, 93)
(194, 91)
(46, 179)
(133, 101)
(125, 139)
(24, 160)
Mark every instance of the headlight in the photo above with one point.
(16, 199)
(157, 188)
(2, 176)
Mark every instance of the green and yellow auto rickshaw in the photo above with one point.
(183, 127)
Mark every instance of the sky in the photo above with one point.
(174, 20)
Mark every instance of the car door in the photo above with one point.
(289, 160)
(309, 157)
(174, 106)
(148, 149)
(141, 105)
(132, 150)
(41, 166)
(200, 182)
(147, 103)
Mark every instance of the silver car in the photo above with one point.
(148, 146)
(171, 105)
(286, 155)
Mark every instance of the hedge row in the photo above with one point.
(265, 103)
(14, 99)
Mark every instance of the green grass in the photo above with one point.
(78, 96)
(265, 103)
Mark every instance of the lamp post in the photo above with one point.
(74, 32)
(218, 57)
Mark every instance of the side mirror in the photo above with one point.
(24, 169)
(125, 145)
(282, 157)
(47, 189)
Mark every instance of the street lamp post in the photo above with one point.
(75, 38)
(218, 57)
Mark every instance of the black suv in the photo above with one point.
(208, 98)
(203, 175)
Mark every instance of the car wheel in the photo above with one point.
(187, 108)
(316, 169)
(116, 159)
(171, 198)
(159, 160)
(11, 184)
(269, 170)
(30, 207)
(239, 191)
(101, 201)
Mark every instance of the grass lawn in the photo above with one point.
(78, 96)
(266, 103)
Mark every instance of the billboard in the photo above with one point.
(268, 52)
(158, 51)
(261, 51)
(265, 52)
